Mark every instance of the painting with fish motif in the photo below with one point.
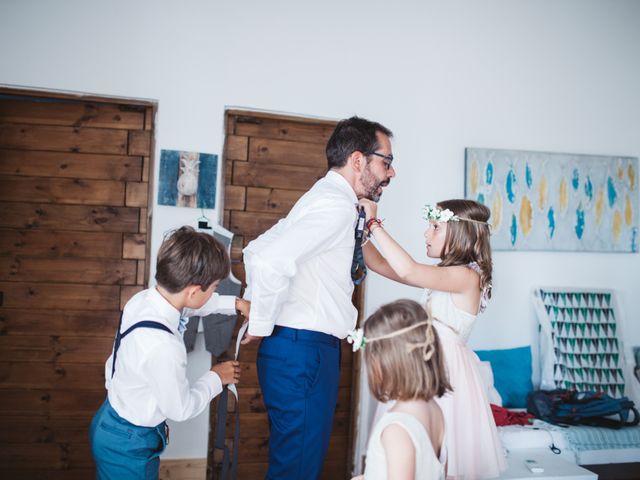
(556, 201)
(187, 179)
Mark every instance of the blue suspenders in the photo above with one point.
(120, 336)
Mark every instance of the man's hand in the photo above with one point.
(243, 307)
(370, 207)
(229, 372)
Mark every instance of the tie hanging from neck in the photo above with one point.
(358, 267)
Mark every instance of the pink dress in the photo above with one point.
(473, 446)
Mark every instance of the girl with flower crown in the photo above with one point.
(456, 291)
(404, 364)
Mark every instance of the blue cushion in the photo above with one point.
(511, 374)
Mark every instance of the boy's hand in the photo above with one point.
(229, 372)
(248, 338)
(243, 306)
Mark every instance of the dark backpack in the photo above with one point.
(566, 407)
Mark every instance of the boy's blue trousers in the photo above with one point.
(122, 450)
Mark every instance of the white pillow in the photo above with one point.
(487, 379)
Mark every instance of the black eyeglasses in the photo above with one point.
(388, 158)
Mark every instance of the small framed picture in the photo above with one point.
(187, 179)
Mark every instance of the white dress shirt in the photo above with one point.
(299, 271)
(150, 382)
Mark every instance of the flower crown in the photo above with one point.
(436, 214)
(358, 340)
(429, 212)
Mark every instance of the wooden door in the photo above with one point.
(270, 161)
(74, 196)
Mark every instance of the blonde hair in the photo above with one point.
(468, 242)
(396, 369)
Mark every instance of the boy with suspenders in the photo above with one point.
(146, 377)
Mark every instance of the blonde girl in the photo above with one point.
(405, 365)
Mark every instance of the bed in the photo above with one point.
(579, 444)
(579, 349)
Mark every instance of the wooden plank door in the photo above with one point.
(74, 188)
(270, 161)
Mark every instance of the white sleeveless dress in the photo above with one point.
(473, 446)
(428, 466)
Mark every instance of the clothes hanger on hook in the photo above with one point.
(203, 221)
(206, 225)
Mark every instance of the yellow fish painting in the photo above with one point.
(542, 193)
(563, 196)
(526, 216)
(628, 211)
(496, 212)
(616, 226)
(473, 178)
(599, 206)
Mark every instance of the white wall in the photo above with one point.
(531, 75)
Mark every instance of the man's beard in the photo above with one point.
(372, 184)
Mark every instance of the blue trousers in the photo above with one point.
(299, 373)
(122, 450)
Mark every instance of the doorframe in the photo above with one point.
(358, 294)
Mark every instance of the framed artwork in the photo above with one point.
(187, 179)
(556, 201)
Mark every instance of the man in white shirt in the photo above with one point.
(146, 377)
(300, 287)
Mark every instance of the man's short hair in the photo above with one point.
(351, 135)
(188, 257)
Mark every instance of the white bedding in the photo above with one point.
(543, 435)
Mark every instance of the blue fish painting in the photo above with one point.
(551, 218)
(579, 222)
(489, 174)
(528, 176)
(588, 188)
(612, 195)
(514, 229)
(510, 184)
(575, 180)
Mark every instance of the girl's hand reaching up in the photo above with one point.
(370, 207)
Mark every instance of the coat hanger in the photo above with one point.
(206, 225)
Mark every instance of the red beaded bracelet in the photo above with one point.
(371, 221)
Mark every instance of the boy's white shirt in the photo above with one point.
(150, 381)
